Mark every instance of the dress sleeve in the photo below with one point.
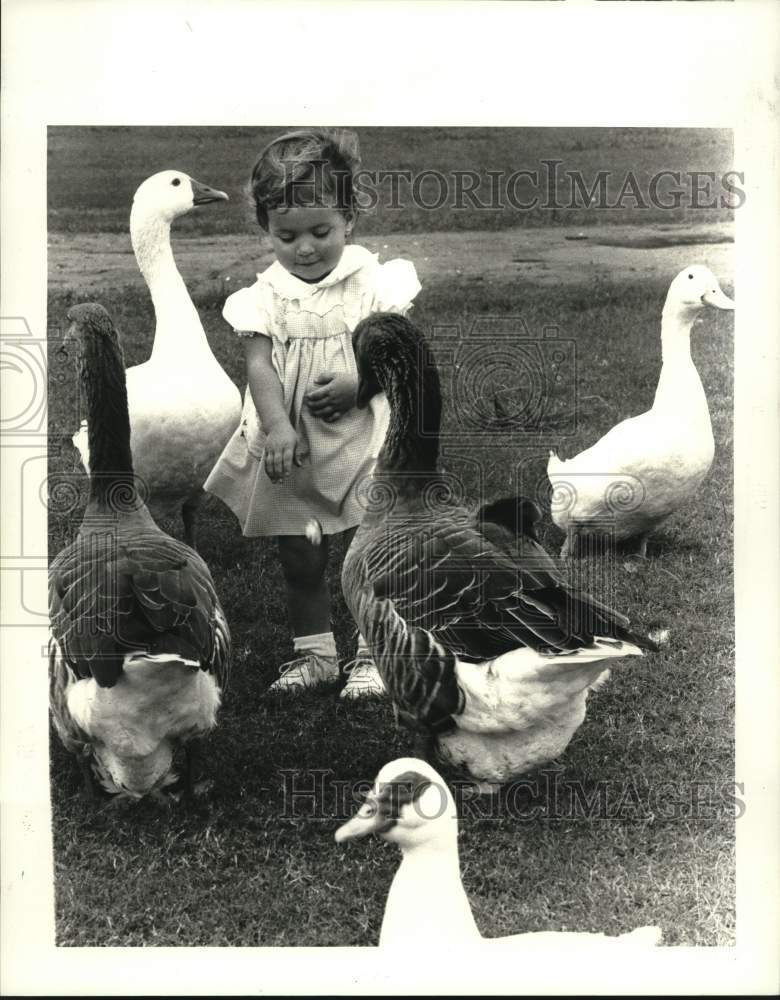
(250, 310)
(396, 286)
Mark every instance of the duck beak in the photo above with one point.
(202, 194)
(366, 820)
(717, 298)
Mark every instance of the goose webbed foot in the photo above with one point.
(119, 805)
(195, 787)
(193, 758)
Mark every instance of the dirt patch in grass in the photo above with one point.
(662, 240)
(91, 263)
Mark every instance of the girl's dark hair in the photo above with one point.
(306, 167)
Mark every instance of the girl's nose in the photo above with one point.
(305, 249)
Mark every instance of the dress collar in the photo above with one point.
(289, 287)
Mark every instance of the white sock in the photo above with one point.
(321, 644)
(362, 646)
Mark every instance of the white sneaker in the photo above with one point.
(363, 679)
(307, 671)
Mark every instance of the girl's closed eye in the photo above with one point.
(308, 240)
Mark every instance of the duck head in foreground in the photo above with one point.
(427, 908)
(481, 644)
(140, 648)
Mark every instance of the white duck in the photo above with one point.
(480, 642)
(140, 648)
(646, 467)
(427, 907)
(183, 405)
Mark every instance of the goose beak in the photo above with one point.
(717, 298)
(362, 396)
(368, 387)
(71, 337)
(202, 194)
(368, 819)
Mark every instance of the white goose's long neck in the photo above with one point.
(679, 385)
(178, 326)
(427, 902)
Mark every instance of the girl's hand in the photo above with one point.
(283, 449)
(335, 397)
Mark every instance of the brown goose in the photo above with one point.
(479, 640)
(140, 648)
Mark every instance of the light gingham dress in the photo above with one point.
(311, 327)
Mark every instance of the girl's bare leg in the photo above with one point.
(308, 600)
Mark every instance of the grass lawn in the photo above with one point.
(253, 867)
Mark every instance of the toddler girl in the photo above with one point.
(302, 448)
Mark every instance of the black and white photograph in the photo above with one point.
(389, 511)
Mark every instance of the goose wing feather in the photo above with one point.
(419, 672)
(449, 588)
(480, 598)
(109, 597)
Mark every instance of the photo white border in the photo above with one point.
(248, 62)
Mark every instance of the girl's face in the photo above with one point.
(308, 242)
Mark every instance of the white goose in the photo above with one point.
(183, 405)
(427, 907)
(646, 467)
